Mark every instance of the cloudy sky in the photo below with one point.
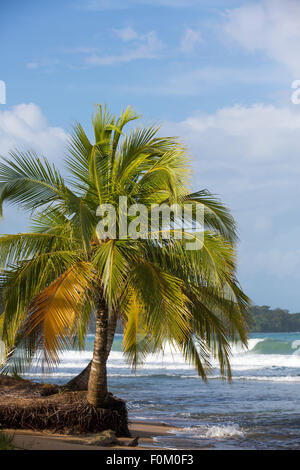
(217, 73)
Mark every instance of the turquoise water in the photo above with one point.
(260, 409)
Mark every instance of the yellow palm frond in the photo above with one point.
(52, 312)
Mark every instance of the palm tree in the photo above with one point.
(60, 272)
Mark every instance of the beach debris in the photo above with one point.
(104, 438)
(134, 442)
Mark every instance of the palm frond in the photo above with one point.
(52, 312)
(28, 181)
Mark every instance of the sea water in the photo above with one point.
(259, 409)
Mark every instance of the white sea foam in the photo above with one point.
(239, 362)
(261, 378)
(219, 432)
(48, 374)
(296, 344)
(208, 432)
(288, 378)
(172, 362)
(239, 348)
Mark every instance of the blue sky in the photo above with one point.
(216, 73)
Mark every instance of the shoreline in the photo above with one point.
(38, 440)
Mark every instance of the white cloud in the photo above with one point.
(190, 40)
(194, 82)
(250, 156)
(148, 46)
(255, 148)
(43, 63)
(280, 261)
(26, 127)
(126, 34)
(269, 26)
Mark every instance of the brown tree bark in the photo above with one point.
(80, 381)
(97, 387)
(112, 325)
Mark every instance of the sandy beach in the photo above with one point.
(30, 440)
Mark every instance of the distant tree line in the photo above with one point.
(265, 319)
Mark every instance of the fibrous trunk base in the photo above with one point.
(67, 412)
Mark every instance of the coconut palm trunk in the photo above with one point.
(81, 381)
(111, 330)
(97, 386)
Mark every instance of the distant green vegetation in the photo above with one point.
(264, 319)
(277, 320)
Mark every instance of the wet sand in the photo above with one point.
(30, 440)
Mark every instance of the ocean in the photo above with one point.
(260, 409)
